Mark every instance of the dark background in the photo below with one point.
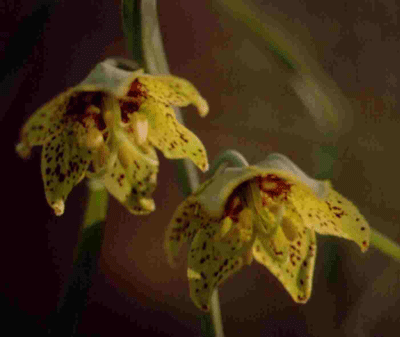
(253, 110)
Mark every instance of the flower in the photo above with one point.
(268, 212)
(107, 127)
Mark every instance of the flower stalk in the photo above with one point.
(156, 63)
(385, 245)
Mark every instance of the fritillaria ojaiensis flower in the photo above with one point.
(107, 127)
(267, 212)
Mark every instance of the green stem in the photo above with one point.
(156, 63)
(131, 18)
(232, 156)
(86, 255)
(385, 245)
(237, 160)
(96, 209)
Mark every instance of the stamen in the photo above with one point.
(94, 138)
(246, 218)
(92, 109)
(124, 155)
(245, 224)
(225, 228)
(266, 185)
(141, 128)
(289, 229)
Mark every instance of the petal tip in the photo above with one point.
(147, 204)
(202, 107)
(205, 167)
(58, 207)
(23, 150)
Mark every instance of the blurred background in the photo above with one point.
(48, 46)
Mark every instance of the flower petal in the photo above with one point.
(64, 162)
(171, 90)
(45, 122)
(295, 271)
(133, 194)
(169, 136)
(239, 237)
(185, 223)
(216, 193)
(107, 76)
(208, 268)
(133, 176)
(334, 215)
(277, 161)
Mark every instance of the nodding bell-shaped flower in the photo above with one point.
(107, 127)
(268, 212)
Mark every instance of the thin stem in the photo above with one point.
(238, 160)
(232, 156)
(156, 63)
(385, 245)
(86, 253)
(132, 29)
(96, 209)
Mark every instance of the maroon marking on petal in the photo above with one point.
(281, 189)
(78, 108)
(137, 90)
(234, 205)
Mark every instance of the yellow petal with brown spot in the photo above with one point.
(185, 223)
(333, 215)
(213, 266)
(171, 90)
(170, 137)
(296, 271)
(46, 121)
(64, 162)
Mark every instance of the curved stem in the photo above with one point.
(156, 63)
(231, 156)
(385, 245)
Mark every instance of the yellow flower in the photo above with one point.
(269, 212)
(107, 127)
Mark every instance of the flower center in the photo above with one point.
(131, 103)
(84, 106)
(273, 187)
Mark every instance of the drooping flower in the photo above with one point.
(268, 212)
(107, 127)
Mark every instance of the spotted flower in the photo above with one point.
(270, 213)
(108, 127)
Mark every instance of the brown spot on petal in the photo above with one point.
(80, 108)
(273, 186)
